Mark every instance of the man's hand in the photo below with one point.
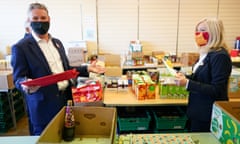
(30, 89)
(95, 68)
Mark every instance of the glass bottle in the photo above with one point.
(69, 123)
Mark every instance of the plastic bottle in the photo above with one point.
(237, 43)
(69, 123)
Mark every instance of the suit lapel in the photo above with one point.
(203, 64)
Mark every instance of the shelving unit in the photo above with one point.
(12, 108)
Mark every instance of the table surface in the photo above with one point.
(127, 98)
(19, 139)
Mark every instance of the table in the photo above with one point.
(127, 98)
(19, 139)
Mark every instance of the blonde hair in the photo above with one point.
(216, 33)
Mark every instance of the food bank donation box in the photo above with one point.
(92, 125)
(225, 124)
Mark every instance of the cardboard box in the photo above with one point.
(6, 80)
(110, 59)
(3, 64)
(76, 56)
(188, 59)
(92, 123)
(8, 49)
(113, 71)
(88, 92)
(1, 55)
(225, 123)
(112, 64)
(157, 53)
(137, 54)
(76, 52)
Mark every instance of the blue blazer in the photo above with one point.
(209, 84)
(28, 61)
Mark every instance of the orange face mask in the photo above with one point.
(201, 38)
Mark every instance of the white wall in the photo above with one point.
(109, 25)
(161, 25)
(65, 20)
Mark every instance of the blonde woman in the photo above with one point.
(209, 80)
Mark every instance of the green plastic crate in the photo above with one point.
(6, 116)
(4, 106)
(16, 95)
(3, 97)
(169, 118)
(5, 126)
(138, 120)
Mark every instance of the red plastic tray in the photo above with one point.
(52, 79)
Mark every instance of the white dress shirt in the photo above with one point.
(200, 62)
(53, 58)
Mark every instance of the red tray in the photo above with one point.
(51, 79)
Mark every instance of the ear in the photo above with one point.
(28, 20)
(27, 23)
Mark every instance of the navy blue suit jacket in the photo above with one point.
(28, 61)
(209, 84)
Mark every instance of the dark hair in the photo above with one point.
(37, 6)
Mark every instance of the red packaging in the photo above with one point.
(88, 93)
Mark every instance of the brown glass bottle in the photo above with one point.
(69, 123)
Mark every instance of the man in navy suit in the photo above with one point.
(209, 81)
(37, 55)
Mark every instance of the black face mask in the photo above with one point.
(40, 27)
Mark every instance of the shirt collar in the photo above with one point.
(202, 56)
(39, 39)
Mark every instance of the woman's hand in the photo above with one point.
(181, 79)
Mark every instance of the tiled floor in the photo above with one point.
(21, 130)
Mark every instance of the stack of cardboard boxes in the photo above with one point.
(112, 64)
(6, 80)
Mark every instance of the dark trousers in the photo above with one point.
(199, 126)
(37, 129)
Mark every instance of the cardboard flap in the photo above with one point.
(232, 108)
(111, 59)
(53, 132)
(94, 120)
(6, 80)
